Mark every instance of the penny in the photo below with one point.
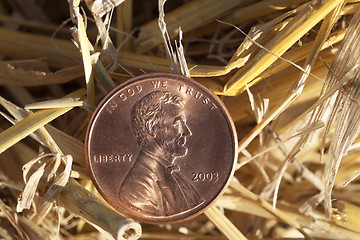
(161, 148)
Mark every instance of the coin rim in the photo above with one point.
(155, 76)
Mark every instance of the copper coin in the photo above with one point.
(161, 148)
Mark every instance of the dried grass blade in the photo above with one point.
(320, 40)
(56, 103)
(27, 196)
(261, 33)
(27, 166)
(10, 75)
(67, 55)
(56, 164)
(300, 53)
(306, 130)
(244, 205)
(346, 105)
(224, 224)
(260, 126)
(19, 45)
(325, 97)
(190, 16)
(17, 112)
(276, 212)
(258, 9)
(103, 76)
(68, 144)
(33, 135)
(297, 90)
(296, 28)
(109, 51)
(153, 63)
(85, 52)
(12, 220)
(352, 178)
(323, 33)
(56, 186)
(251, 207)
(166, 39)
(28, 125)
(124, 23)
(101, 7)
(176, 58)
(181, 56)
(31, 123)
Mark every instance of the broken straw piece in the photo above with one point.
(81, 202)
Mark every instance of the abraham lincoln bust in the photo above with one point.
(155, 185)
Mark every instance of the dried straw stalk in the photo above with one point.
(285, 178)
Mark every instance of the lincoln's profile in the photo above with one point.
(155, 184)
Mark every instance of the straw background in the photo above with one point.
(287, 70)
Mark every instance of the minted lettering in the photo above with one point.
(205, 101)
(122, 96)
(189, 90)
(111, 106)
(129, 156)
(212, 177)
(158, 84)
(212, 106)
(197, 95)
(180, 87)
(112, 158)
(129, 92)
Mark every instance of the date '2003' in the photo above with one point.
(212, 177)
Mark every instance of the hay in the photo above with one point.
(270, 61)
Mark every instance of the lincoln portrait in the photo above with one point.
(155, 184)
